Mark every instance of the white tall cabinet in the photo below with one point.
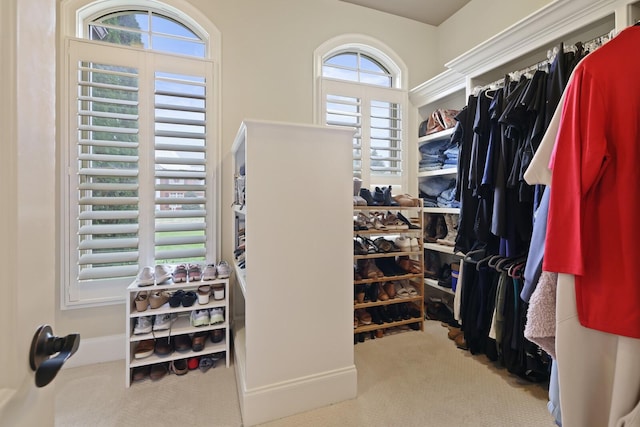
(293, 294)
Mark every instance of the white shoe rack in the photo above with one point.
(180, 326)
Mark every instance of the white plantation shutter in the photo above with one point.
(377, 114)
(140, 169)
(347, 111)
(180, 167)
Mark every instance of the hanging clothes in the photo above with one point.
(598, 388)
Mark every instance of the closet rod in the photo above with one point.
(588, 46)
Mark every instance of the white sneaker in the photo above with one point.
(200, 317)
(163, 273)
(145, 277)
(223, 269)
(210, 272)
(143, 325)
(217, 315)
(163, 321)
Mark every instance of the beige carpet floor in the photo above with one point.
(405, 379)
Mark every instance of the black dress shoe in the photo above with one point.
(375, 315)
(384, 314)
(371, 290)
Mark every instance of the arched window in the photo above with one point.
(360, 86)
(140, 147)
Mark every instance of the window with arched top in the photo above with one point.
(140, 139)
(148, 30)
(360, 86)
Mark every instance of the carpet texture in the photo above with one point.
(406, 379)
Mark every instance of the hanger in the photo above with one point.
(483, 262)
(515, 270)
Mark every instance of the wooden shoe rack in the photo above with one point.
(415, 216)
(181, 326)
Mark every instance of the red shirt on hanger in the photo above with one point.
(593, 228)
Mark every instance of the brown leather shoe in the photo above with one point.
(140, 373)
(199, 340)
(158, 370)
(390, 289)
(144, 349)
(453, 332)
(382, 295)
(461, 343)
(163, 346)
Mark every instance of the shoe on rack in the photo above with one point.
(199, 318)
(144, 348)
(180, 274)
(176, 298)
(163, 321)
(223, 269)
(193, 363)
(182, 342)
(204, 292)
(143, 325)
(195, 272)
(389, 289)
(217, 335)
(441, 227)
(358, 200)
(368, 197)
(218, 291)
(364, 318)
(158, 371)
(216, 316)
(406, 221)
(401, 291)
(142, 301)
(388, 198)
(140, 373)
(206, 363)
(210, 272)
(163, 346)
(159, 298)
(145, 277)
(162, 273)
(199, 340)
(189, 298)
(179, 366)
(403, 243)
(451, 222)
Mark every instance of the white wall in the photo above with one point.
(267, 58)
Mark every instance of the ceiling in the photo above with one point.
(432, 12)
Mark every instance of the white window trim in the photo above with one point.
(72, 16)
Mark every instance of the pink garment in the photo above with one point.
(541, 316)
(593, 226)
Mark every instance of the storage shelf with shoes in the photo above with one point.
(160, 316)
(388, 266)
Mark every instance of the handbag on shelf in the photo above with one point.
(441, 119)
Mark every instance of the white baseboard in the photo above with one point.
(97, 350)
(264, 404)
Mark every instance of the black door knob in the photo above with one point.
(43, 346)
